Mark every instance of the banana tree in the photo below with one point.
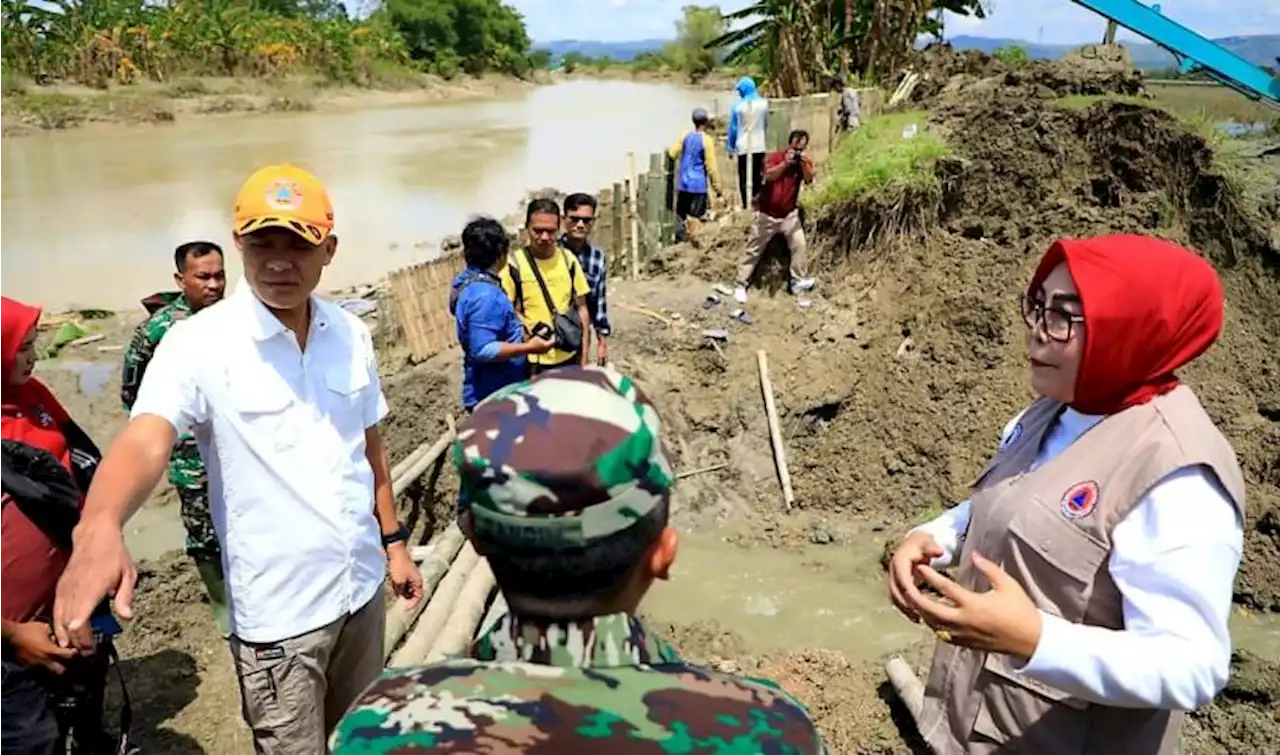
(799, 43)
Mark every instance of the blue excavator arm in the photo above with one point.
(1193, 52)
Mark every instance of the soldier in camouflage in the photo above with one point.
(202, 279)
(565, 487)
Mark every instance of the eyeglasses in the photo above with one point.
(1058, 323)
(575, 219)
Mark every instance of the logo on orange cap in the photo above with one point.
(284, 196)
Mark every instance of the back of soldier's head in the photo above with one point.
(565, 486)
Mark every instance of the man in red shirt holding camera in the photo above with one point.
(776, 212)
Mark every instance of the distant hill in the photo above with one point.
(624, 51)
(1259, 49)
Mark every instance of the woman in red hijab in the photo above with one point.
(1096, 556)
(48, 463)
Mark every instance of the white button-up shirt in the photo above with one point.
(281, 432)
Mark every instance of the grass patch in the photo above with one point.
(1214, 103)
(876, 158)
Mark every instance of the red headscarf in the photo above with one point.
(31, 414)
(1150, 307)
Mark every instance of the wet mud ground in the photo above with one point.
(891, 387)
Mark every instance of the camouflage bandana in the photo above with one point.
(559, 461)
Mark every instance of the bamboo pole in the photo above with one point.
(615, 219)
(635, 220)
(415, 465)
(442, 550)
(469, 609)
(407, 462)
(497, 609)
(909, 689)
(436, 614)
(775, 432)
(701, 470)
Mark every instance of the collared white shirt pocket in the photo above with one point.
(346, 385)
(263, 403)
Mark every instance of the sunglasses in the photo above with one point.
(576, 219)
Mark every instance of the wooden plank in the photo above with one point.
(633, 209)
(775, 431)
(658, 207)
(658, 200)
(615, 216)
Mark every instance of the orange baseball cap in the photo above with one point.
(284, 196)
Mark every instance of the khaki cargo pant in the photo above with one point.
(293, 692)
(763, 229)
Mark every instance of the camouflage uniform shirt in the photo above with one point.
(186, 468)
(603, 685)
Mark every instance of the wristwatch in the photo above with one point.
(399, 536)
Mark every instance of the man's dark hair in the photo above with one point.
(484, 242)
(574, 201)
(578, 582)
(541, 206)
(798, 134)
(837, 82)
(191, 249)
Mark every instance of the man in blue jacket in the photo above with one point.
(490, 331)
(696, 172)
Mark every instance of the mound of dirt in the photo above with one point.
(938, 64)
(1243, 718)
(419, 399)
(948, 75)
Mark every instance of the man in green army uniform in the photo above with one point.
(565, 488)
(202, 279)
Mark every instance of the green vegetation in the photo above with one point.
(1014, 56)
(879, 158)
(802, 43)
(102, 42)
(691, 54)
(1217, 103)
(1199, 108)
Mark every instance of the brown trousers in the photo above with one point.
(293, 692)
(763, 229)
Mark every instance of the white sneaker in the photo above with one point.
(799, 285)
(740, 294)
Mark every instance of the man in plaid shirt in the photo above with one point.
(579, 216)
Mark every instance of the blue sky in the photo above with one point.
(1050, 21)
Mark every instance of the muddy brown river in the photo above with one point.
(91, 217)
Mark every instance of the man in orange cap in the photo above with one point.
(281, 391)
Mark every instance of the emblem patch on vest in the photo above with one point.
(1012, 437)
(1080, 500)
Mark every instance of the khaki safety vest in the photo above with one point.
(1050, 529)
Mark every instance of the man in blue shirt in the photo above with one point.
(696, 172)
(490, 331)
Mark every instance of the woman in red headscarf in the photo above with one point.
(48, 463)
(1096, 556)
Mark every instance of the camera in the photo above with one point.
(544, 331)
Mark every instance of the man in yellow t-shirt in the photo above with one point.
(565, 284)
